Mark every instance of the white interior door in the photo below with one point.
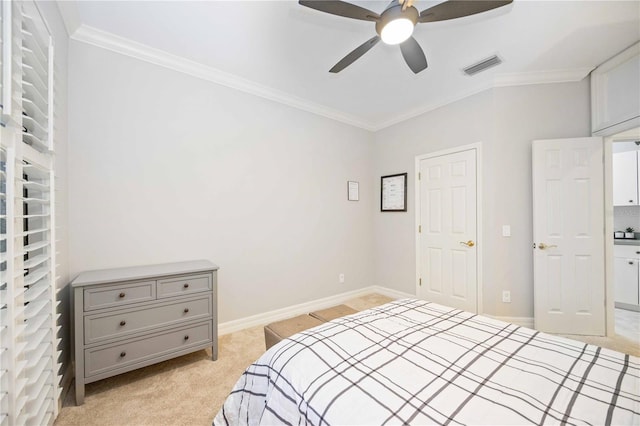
(447, 250)
(568, 232)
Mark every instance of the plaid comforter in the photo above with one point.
(415, 362)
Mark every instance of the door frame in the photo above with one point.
(479, 241)
(609, 137)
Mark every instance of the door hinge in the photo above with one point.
(419, 228)
(419, 176)
(420, 281)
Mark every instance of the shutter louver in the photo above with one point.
(5, 60)
(29, 366)
(5, 302)
(35, 52)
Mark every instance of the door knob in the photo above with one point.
(469, 243)
(543, 246)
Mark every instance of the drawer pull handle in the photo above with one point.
(186, 310)
(123, 354)
(186, 337)
(631, 262)
(121, 295)
(186, 285)
(123, 323)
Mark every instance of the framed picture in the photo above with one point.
(393, 193)
(353, 191)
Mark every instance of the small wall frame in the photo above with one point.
(393, 193)
(353, 191)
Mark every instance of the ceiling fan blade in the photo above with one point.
(341, 8)
(355, 54)
(413, 55)
(458, 8)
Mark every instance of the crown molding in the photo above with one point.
(430, 107)
(124, 46)
(500, 80)
(541, 77)
(70, 16)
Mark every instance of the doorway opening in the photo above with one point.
(624, 258)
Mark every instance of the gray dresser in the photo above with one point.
(127, 318)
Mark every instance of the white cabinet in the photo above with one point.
(615, 85)
(625, 178)
(626, 273)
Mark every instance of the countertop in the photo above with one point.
(626, 242)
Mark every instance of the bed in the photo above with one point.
(415, 362)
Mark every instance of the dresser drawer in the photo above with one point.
(102, 359)
(104, 326)
(182, 286)
(631, 252)
(119, 295)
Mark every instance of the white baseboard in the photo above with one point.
(303, 308)
(389, 292)
(290, 311)
(521, 321)
(314, 305)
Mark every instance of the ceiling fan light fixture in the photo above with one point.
(396, 25)
(397, 31)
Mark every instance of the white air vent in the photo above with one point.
(484, 64)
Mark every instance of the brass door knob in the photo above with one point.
(469, 243)
(543, 246)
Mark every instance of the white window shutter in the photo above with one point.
(29, 356)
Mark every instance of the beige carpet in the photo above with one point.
(184, 391)
(191, 389)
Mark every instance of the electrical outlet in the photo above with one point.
(341, 278)
(506, 296)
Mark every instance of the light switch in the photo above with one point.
(506, 230)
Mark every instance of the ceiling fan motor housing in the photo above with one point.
(396, 12)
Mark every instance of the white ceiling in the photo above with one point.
(287, 49)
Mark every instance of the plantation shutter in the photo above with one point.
(30, 367)
(5, 59)
(5, 306)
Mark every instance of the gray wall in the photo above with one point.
(505, 121)
(166, 167)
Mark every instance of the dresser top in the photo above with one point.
(131, 273)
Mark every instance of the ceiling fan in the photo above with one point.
(395, 25)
